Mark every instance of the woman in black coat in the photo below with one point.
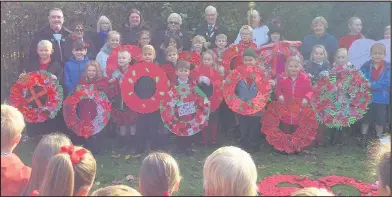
(130, 30)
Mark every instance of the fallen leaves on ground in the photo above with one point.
(97, 183)
(115, 182)
(261, 167)
(115, 155)
(127, 157)
(129, 178)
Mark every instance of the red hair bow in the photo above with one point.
(166, 194)
(276, 22)
(76, 156)
(34, 193)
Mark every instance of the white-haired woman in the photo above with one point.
(319, 36)
(103, 27)
(174, 22)
(260, 30)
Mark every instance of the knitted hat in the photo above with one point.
(249, 52)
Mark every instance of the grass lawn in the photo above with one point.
(348, 160)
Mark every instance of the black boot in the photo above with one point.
(332, 137)
(363, 141)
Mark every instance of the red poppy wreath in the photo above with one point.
(190, 56)
(301, 138)
(269, 185)
(258, 102)
(186, 110)
(364, 188)
(111, 63)
(87, 128)
(233, 53)
(120, 115)
(216, 80)
(50, 89)
(134, 73)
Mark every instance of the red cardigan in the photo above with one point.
(14, 175)
(293, 89)
(87, 109)
(347, 40)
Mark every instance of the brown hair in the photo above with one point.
(143, 24)
(217, 67)
(64, 177)
(221, 36)
(78, 45)
(159, 174)
(182, 64)
(47, 147)
(171, 49)
(312, 191)
(95, 64)
(352, 19)
(320, 47)
(144, 32)
(116, 190)
(384, 170)
(378, 45)
(12, 125)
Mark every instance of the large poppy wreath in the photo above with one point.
(120, 116)
(190, 56)
(111, 63)
(87, 128)
(228, 56)
(216, 80)
(50, 88)
(258, 102)
(130, 78)
(268, 186)
(301, 138)
(342, 99)
(286, 48)
(186, 110)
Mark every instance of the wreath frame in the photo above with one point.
(258, 102)
(85, 128)
(301, 138)
(130, 78)
(328, 108)
(51, 88)
(169, 110)
(111, 62)
(216, 80)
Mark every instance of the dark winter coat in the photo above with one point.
(210, 36)
(316, 70)
(54, 67)
(131, 35)
(159, 37)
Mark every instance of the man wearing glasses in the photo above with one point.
(55, 33)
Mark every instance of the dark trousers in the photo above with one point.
(226, 117)
(184, 142)
(147, 127)
(250, 131)
(209, 133)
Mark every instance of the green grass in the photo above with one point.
(348, 160)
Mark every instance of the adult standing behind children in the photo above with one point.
(355, 26)
(130, 30)
(55, 33)
(319, 36)
(260, 31)
(210, 29)
(174, 22)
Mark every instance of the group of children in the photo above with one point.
(61, 169)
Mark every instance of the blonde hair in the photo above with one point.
(230, 171)
(12, 125)
(387, 28)
(102, 19)
(221, 37)
(111, 34)
(217, 67)
(320, 47)
(116, 190)
(321, 20)
(47, 147)
(352, 19)
(378, 45)
(44, 43)
(148, 48)
(312, 191)
(341, 50)
(199, 38)
(159, 174)
(171, 49)
(294, 59)
(246, 27)
(95, 64)
(64, 178)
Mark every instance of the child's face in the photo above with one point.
(114, 41)
(198, 45)
(293, 68)
(318, 28)
(341, 58)
(91, 72)
(44, 52)
(79, 31)
(105, 26)
(144, 40)
(148, 56)
(387, 34)
(275, 37)
(172, 43)
(172, 57)
(123, 59)
(221, 43)
(356, 26)
(79, 53)
(208, 60)
(318, 55)
(182, 73)
(378, 54)
(249, 60)
(246, 35)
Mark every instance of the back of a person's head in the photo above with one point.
(382, 160)
(12, 125)
(159, 175)
(69, 173)
(116, 190)
(312, 191)
(230, 171)
(47, 147)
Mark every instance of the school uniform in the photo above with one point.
(14, 175)
(317, 70)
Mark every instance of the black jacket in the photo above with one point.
(131, 35)
(159, 37)
(47, 34)
(202, 30)
(316, 69)
(54, 67)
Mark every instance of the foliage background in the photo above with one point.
(19, 21)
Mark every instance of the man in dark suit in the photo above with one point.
(211, 28)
